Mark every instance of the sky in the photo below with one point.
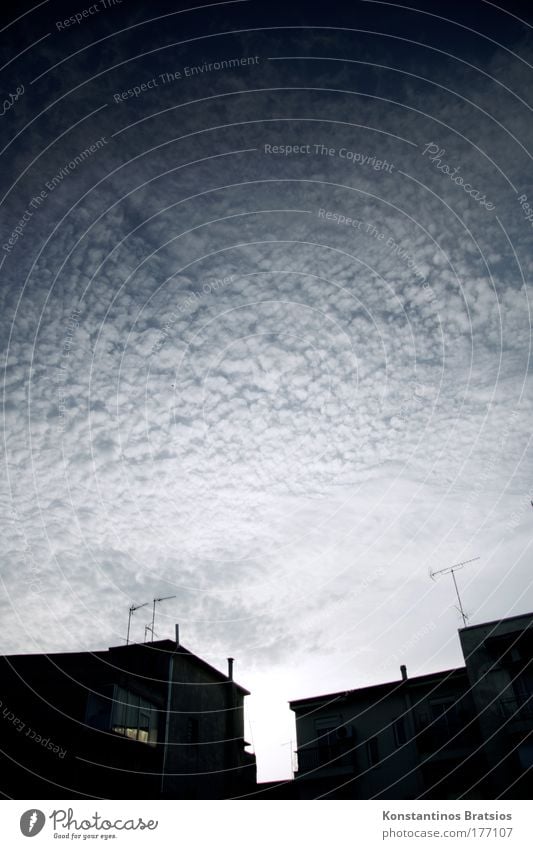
(266, 331)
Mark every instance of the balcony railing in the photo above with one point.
(325, 757)
(445, 732)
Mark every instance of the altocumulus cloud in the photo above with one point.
(214, 389)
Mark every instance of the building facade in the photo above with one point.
(145, 721)
(499, 663)
(460, 733)
(399, 740)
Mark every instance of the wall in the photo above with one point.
(494, 654)
(215, 765)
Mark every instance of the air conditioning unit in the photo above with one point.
(344, 732)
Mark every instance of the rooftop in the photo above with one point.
(166, 646)
(498, 621)
(389, 685)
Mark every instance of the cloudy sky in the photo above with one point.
(265, 315)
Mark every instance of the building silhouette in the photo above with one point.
(460, 733)
(154, 720)
(144, 721)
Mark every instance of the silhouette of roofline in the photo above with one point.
(167, 646)
(497, 621)
(178, 648)
(387, 685)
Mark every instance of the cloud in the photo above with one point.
(213, 389)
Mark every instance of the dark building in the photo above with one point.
(499, 662)
(461, 733)
(139, 721)
(399, 740)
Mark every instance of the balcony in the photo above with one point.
(446, 734)
(330, 758)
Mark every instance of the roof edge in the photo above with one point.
(385, 684)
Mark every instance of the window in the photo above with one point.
(372, 751)
(98, 711)
(334, 739)
(324, 730)
(400, 734)
(441, 707)
(134, 717)
(523, 686)
(446, 715)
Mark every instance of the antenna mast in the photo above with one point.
(156, 600)
(132, 610)
(452, 570)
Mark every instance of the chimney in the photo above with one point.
(403, 670)
(230, 668)
(177, 635)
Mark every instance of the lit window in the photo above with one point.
(134, 717)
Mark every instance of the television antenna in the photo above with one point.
(148, 630)
(451, 570)
(132, 610)
(156, 601)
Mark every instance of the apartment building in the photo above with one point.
(457, 733)
(149, 720)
